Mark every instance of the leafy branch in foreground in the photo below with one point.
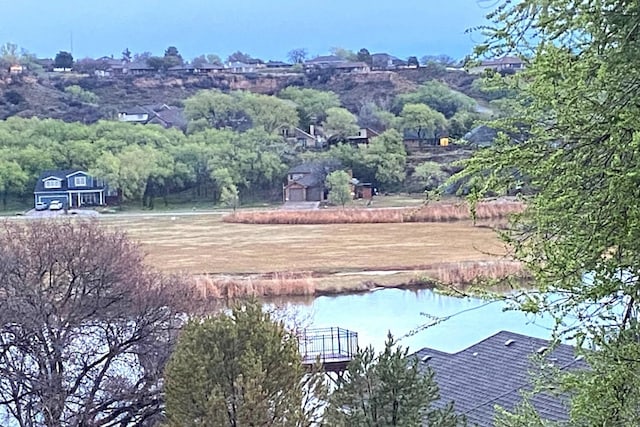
(574, 141)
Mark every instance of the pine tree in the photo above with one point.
(239, 369)
(388, 389)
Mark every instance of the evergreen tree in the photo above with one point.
(388, 389)
(239, 369)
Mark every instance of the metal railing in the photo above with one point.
(329, 344)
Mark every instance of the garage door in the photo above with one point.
(296, 194)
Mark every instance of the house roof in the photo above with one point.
(350, 64)
(170, 117)
(237, 64)
(210, 67)
(496, 371)
(163, 114)
(502, 61)
(58, 174)
(314, 172)
(135, 110)
(277, 64)
(139, 65)
(297, 133)
(481, 136)
(325, 59)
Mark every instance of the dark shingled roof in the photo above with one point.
(62, 175)
(495, 372)
(481, 136)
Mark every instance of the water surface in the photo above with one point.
(373, 314)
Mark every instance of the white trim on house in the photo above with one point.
(76, 173)
(49, 178)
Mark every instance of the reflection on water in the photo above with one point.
(374, 313)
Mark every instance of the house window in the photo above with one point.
(80, 181)
(52, 183)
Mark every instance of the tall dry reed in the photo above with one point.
(437, 212)
(464, 273)
(276, 284)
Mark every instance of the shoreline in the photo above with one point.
(451, 278)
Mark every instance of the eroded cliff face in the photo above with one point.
(44, 96)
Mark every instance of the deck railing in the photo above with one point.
(329, 344)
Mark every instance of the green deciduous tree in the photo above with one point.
(63, 60)
(340, 123)
(363, 55)
(346, 54)
(12, 177)
(574, 139)
(172, 57)
(312, 103)
(425, 122)
(82, 95)
(430, 175)
(388, 389)
(211, 108)
(339, 184)
(437, 96)
(386, 157)
(239, 57)
(268, 112)
(239, 369)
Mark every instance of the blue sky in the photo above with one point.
(264, 29)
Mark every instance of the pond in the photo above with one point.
(401, 311)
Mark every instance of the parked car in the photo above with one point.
(55, 205)
(40, 206)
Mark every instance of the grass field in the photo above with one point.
(338, 256)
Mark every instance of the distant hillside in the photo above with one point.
(48, 96)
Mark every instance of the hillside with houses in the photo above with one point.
(88, 89)
(232, 132)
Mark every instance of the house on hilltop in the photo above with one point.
(189, 69)
(327, 61)
(241, 67)
(496, 371)
(139, 68)
(504, 64)
(336, 63)
(384, 61)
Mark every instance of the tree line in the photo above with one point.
(233, 144)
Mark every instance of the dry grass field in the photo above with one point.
(336, 257)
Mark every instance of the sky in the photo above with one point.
(263, 29)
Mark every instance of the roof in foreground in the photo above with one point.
(495, 372)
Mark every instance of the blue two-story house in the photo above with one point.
(73, 188)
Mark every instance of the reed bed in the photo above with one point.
(438, 212)
(271, 285)
(465, 273)
(292, 284)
